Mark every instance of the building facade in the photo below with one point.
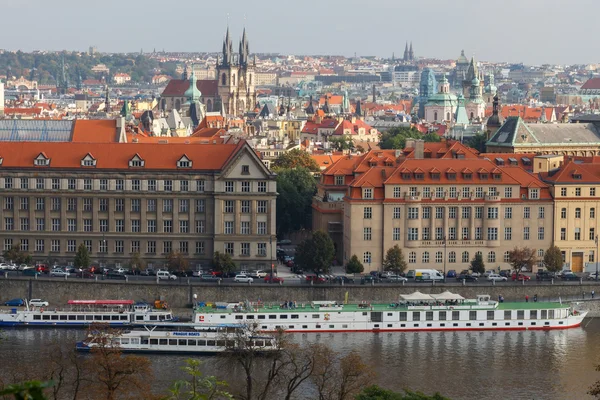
(120, 199)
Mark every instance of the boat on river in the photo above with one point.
(82, 313)
(412, 312)
(182, 338)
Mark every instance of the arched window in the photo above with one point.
(412, 257)
(250, 80)
(465, 257)
(367, 257)
(447, 116)
(439, 257)
(452, 257)
(472, 115)
(223, 79)
(478, 253)
(507, 256)
(492, 256)
(425, 257)
(435, 116)
(177, 104)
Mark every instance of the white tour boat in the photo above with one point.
(412, 312)
(85, 312)
(183, 338)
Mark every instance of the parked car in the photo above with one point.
(38, 303)
(31, 272)
(284, 242)
(210, 278)
(466, 277)
(243, 279)
(496, 278)
(545, 276)
(258, 274)
(198, 273)
(410, 274)
(273, 279)
(564, 271)
(569, 276)
(119, 270)
(15, 303)
(520, 277)
(315, 279)
(344, 279)
(489, 272)
(23, 267)
(59, 272)
(85, 274)
(591, 276)
(148, 272)
(451, 274)
(395, 278)
(369, 279)
(115, 275)
(297, 270)
(166, 275)
(505, 272)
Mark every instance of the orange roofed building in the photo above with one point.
(119, 199)
(439, 202)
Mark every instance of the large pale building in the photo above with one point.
(440, 204)
(119, 199)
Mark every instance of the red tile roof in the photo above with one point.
(593, 83)
(95, 131)
(177, 87)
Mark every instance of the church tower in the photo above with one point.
(405, 58)
(411, 54)
(235, 77)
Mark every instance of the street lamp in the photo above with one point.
(445, 242)
(272, 261)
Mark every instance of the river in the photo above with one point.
(461, 365)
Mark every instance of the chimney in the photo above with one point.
(410, 143)
(397, 153)
(419, 149)
(121, 130)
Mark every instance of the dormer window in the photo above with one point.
(367, 193)
(406, 176)
(419, 176)
(339, 180)
(451, 176)
(467, 175)
(184, 162)
(576, 175)
(245, 170)
(88, 161)
(41, 160)
(483, 176)
(435, 176)
(497, 176)
(137, 162)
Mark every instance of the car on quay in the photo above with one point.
(258, 274)
(545, 276)
(489, 272)
(165, 275)
(115, 275)
(284, 242)
(369, 279)
(451, 274)
(393, 278)
(273, 279)
(564, 271)
(85, 274)
(210, 278)
(59, 272)
(148, 272)
(343, 279)
(315, 279)
(31, 272)
(38, 303)
(496, 278)
(466, 277)
(592, 276)
(520, 277)
(15, 303)
(569, 276)
(506, 272)
(243, 279)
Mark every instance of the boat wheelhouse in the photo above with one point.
(80, 313)
(184, 338)
(412, 312)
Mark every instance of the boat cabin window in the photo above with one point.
(239, 317)
(472, 315)
(89, 317)
(331, 326)
(295, 316)
(211, 342)
(191, 342)
(403, 315)
(63, 317)
(123, 317)
(153, 341)
(72, 317)
(429, 316)
(54, 317)
(544, 314)
(521, 314)
(80, 317)
(259, 343)
(124, 340)
(272, 316)
(182, 342)
(533, 314)
(45, 317)
(283, 316)
(153, 318)
(442, 316)
(114, 317)
(37, 317)
(507, 314)
(172, 342)
(261, 317)
(455, 315)
(223, 316)
(145, 340)
(249, 316)
(315, 315)
(230, 343)
(162, 342)
(550, 314)
(416, 316)
(490, 315)
(364, 313)
(106, 318)
(201, 342)
(98, 317)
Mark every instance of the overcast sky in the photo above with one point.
(530, 31)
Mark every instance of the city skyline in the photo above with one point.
(533, 32)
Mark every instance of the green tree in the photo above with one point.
(553, 259)
(375, 392)
(197, 386)
(394, 260)
(477, 264)
(30, 390)
(342, 143)
(431, 137)
(82, 258)
(176, 261)
(136, 262)
(477, 142)
(395, 138)
(522, 258)
(295, 158)
(17, 256)
(296, 188)
(222, 262)
(316, 253)
(354, 266)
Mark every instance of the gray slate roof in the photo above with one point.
(24, 130)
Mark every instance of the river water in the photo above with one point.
(498, 365)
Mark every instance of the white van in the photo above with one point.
(165, 275)
(428, 275)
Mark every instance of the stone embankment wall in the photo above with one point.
(58, 292)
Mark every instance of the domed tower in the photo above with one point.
(475, 105)
(427, 88)
(494, 122)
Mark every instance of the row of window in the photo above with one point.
(577, 234)
(151, 185)
(453, 212)
(563, 213)
(135, 226)
(452, 257)
(412, 234)
(451, 192)
(118, 246)
(563, 191)
(135, 205)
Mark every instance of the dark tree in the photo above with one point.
(316, 253)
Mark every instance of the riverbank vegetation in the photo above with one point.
(291, 371)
